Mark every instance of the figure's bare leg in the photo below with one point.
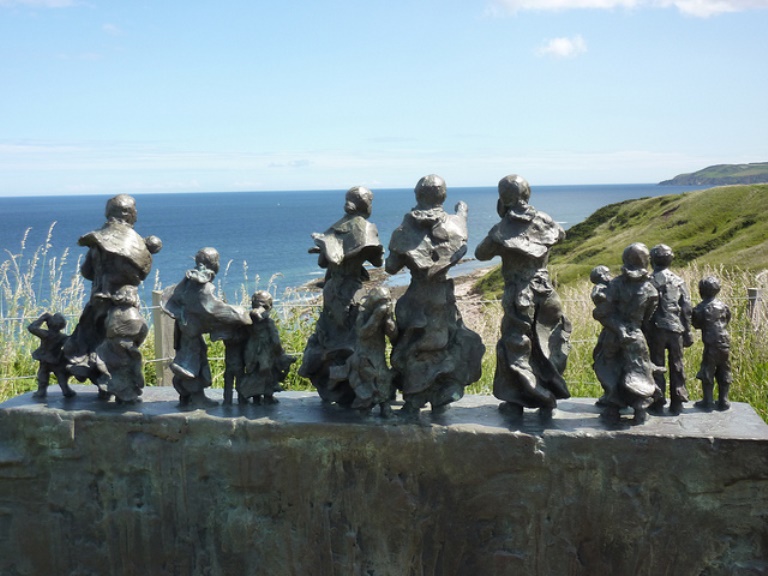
(707, 402)
(63, 380)
(43, 378)
(722, 393)
(228, 394)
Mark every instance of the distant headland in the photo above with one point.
(723, 175)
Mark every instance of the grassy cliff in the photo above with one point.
(726, 226)
(723, 174)
(722, 231)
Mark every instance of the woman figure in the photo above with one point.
(342, 250)
(435, 356)
(533, 347)
(623, 363)
(193, 304)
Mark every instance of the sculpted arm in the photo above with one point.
(487, 249)
(686, 312)
(696, 317)
(36, 327)
(394, 263)
(652, 301)
(87, 267)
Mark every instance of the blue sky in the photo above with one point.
(140, 96)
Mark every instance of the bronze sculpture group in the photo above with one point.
(645, 311)
(104, 346)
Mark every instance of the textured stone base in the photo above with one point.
(303, 488)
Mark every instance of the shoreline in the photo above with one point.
(472, 305)
(469, 272)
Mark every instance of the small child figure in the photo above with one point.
(669, 331)
(367, 369)
(50, 355)
(193, 304)
(265, 362)
(234, 338)
(712, 316)
(601, 276)
(118, 360)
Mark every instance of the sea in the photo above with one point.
(263, 237)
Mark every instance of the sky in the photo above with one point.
(169, 96)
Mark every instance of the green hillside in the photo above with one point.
(723, 175)
(721, 226)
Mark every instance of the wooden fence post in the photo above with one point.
(164, 352)
(755, 306)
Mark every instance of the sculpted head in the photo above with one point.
(600, 275)
(122, 208)
(513, 190)
(127, 296)
(661, 256)
(377, 295)
(57, 321)
(208, 258)
(154, 244)
(709, 287)
(358, 201)
(430, 192)
(262, 299)
(636, 259)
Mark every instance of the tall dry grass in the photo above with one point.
(749, 337)
(26, 275)
(32, 282)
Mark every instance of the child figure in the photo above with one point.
(118, 360)
(50, 354)
(712, 316)
(600, 277)
(669, 331)
(606, 345)
(265, 362)
(234, 338)
(366, 369)
(193, 304)
(622, 362)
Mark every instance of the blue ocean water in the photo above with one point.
(269, 232)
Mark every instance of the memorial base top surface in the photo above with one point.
(305, 487)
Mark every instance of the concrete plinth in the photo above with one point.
(303, 488)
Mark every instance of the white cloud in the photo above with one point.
(706, 8)
(699, 8)
(542, 5)
(563, 47)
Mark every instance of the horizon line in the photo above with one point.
(289, 190)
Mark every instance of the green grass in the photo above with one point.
(721, 230)
(24, 273)
(722, 174)
(22, 276)
(749, 352)
(727, 225)
(720, 226)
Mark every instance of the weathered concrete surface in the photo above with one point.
(303, 488)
